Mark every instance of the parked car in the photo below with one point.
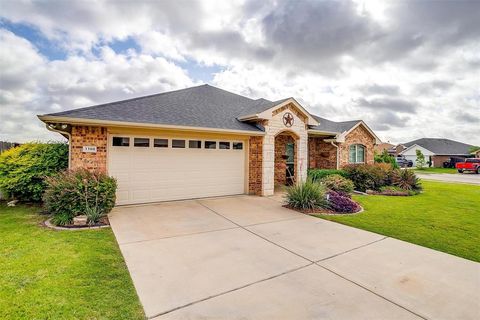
(451, 163)
(471, 164)
(402, 162)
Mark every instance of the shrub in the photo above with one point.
(23, 169)
(336, 182)
(385, 157)
(75, 192)
(366, 176)
(317, 174)
(306, 196)
(406, 180)
(340, 203)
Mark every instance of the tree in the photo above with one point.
(473, 149)
(420, 159)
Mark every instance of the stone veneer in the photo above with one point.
(359, 135)
(321, 154)
(255, 160)
(89, 136)
(274, 127)
(280, 163)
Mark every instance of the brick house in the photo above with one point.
(204, 141)
(436, 150)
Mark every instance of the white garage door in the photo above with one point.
(150, 169)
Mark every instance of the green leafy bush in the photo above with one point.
(23, 169)
(318, 174)
(76, 192)
(307, 196)
(406, 180)
(367, 176)
(336, 182)
(385, 157)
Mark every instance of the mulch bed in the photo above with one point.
(321, 211)
(103, 223)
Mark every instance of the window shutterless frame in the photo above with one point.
(177, 143)
(160, 143)
(141, 142)
(210, 144)
(120, 141)
(237, 145)
(194, 144)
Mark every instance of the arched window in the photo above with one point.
(356, 154)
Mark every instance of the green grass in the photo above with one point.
(47, 274)
(445, 217)
(436, 170)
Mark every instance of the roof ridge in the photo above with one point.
(127, 100)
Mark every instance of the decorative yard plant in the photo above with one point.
(336, 182)
(308, 195)
(318, 174)
(77, 192)
(23, 169)
(341, 203)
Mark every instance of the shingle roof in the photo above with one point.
(332, 126)
(441, 146)
(201, 106)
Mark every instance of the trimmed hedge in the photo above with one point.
(77, 192)
(23, 169)
(318, 174)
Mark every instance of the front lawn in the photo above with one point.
(436, 170)
(47, 274)
(445, 217)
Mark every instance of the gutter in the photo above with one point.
(66, 134)
(108, 123)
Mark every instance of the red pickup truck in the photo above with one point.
(471, 164)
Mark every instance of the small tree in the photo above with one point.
(420, 159)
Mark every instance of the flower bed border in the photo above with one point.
(324, 212)
(48, 223)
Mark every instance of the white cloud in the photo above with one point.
(32, 85)
(415, 67)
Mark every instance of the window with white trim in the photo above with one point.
(356, 153)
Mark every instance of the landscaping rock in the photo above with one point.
(80, 220)
(12, 203)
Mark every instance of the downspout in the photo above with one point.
(63, 133)
(336, 146)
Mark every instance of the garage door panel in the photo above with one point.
(162, 174)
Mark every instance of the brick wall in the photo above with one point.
(359, 135)
(280, 163)
(89, 136)
(255, 159)
(321, 154)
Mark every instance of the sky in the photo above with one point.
(409, 69)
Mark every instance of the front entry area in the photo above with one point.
(285, 159)
(162, 168)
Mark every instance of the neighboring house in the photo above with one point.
(477, 154)
(204, 141)
(384, 146)
(436, 150)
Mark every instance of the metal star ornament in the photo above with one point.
(288, 119)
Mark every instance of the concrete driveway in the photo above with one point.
(471, 178)
(249, 258)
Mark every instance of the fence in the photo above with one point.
(4, 145)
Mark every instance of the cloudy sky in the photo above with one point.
(410, 69)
